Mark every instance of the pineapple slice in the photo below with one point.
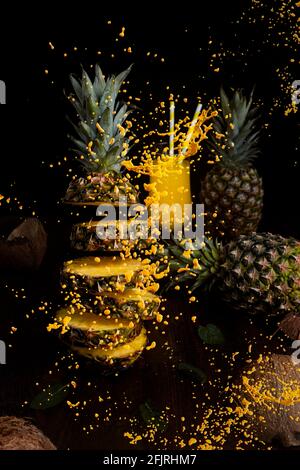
(84, 328)
(102, 267)
(132, 303)
(88, 321)
(121, 356)
(84, 237)
(98, 273)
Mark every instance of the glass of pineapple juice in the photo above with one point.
(171, 182)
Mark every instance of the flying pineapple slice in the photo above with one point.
(84, 328)
(101, 141)
(120, 357)
(113, 343)
(232, 191)
(84, 274)
(256, 273)
(132, 303)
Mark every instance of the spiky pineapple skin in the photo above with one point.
(260, 273)
(257, 273)
(233, 201)
(84, 238)
(101, 188)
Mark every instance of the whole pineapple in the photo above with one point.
(101, 142)
(256, 273)
(232, 191)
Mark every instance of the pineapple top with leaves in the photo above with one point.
(236, 122)
(101, 142)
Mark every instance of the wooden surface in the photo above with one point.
(154, 377)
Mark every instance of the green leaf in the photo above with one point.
(114, 152)
(211, 334)
(225, 103)
(99, 82)
(193, 372)
(54, 395)
(120, 117)
(107, 99)
(79, 132)
(81, 146)
(87, 86)
(106, 122)
(100, 148)
(150, 416)
(92, 108)
(87, 130)
(118, 80)
(77, 88)
(79, 109)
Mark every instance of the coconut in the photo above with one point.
(20, 434)
(290, 325)
(270, 395)
(25, 247)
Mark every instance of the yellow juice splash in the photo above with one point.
(169, 174)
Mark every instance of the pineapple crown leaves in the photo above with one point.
(194, 266)
(237, 123)
(100, 138)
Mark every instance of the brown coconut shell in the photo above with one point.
(290, 326)
(20, 434)
(25, 247)
(277, 418)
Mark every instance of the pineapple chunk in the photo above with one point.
(125, 350)
(92, 322)
(108, 267)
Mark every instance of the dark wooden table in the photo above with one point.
(32, 352)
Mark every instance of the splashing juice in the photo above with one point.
(169, 174)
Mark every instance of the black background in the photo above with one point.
(33, 129)
(33, 124)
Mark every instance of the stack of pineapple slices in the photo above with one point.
(108, 297)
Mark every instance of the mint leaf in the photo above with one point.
(211, 334)
(53, 395)
(152, 416)
(192, 372)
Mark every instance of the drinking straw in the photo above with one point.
(191, 129)
(172, 126)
